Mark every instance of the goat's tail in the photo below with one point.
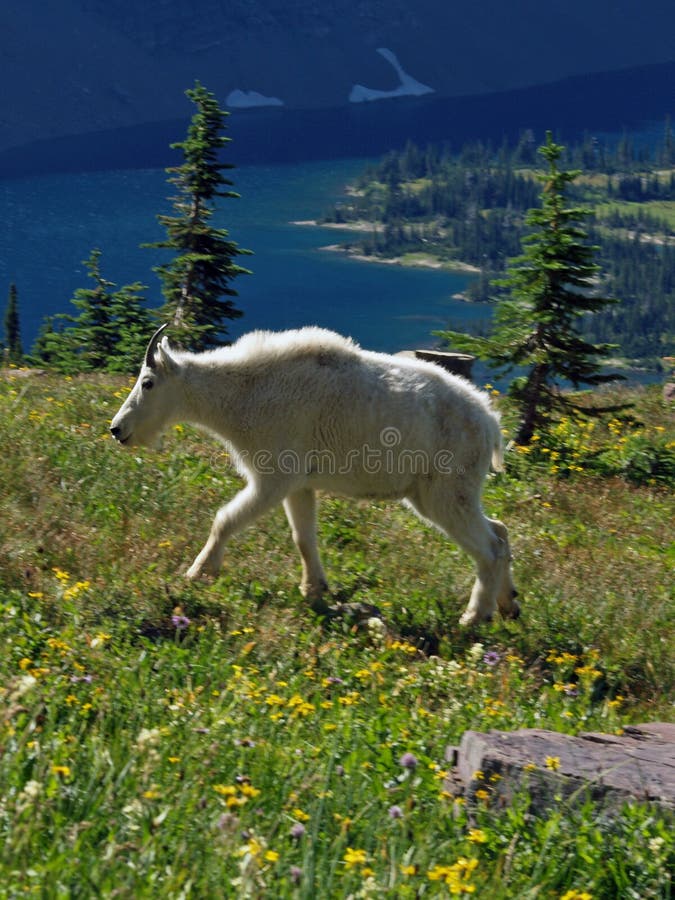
(497, 444)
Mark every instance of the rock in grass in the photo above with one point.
(552, 768)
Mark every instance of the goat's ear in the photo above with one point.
(150, 361)
(164, 358)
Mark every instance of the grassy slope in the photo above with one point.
(154, 760)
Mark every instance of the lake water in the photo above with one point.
(50, 223)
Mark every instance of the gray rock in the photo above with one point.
(609, 769)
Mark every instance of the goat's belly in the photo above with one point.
(362, 486)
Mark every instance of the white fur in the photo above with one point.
(309, 410)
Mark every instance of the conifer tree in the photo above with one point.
(197, 282)
(551, 287)
(110, 332)
(13, 346)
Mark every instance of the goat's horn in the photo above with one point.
(152, 346)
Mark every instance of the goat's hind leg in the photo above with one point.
(491, 554)
(465, 524)
(506, 592)
(250, 503)
(300, 508)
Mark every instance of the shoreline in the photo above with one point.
(409, 260)
(359, 225)
(412, 260)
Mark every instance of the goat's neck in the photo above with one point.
(211, 398)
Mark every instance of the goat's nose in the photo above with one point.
(114, 430)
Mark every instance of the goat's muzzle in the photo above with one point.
(116, 432)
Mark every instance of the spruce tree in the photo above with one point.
(92, 338)
(197, 282)
(13, 346)
(550, 288)
(110, 332)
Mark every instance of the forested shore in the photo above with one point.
(467, 207)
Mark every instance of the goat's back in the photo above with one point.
(313, 389)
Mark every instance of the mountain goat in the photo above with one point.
(309, 410)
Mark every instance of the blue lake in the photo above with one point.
(50, 223)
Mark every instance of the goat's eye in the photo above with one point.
(147, 384)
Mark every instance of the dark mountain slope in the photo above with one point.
(87, 65)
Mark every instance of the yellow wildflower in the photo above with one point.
(275, 700)
(588, 670)
(100, 639)
(457, 876)
(75, 589)
(252, 848)
(354, 857)
(477, 836)
(227, 790)
(349, 699)
(552, 763)
(249, 791)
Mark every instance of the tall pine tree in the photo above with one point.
(13, 346)
(197, 282)
(551, 287)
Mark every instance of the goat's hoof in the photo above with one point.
(314, 592)
(474, 617)
(512, 613)
(199, 571)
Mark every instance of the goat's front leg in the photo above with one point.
(300, 509)
(251, 502)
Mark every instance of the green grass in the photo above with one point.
(165, 739)
(661, 210)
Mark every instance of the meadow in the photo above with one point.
(165, 739)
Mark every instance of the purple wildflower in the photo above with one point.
(395, 812)
(297, 830)
(491, 658)
(296, 874)
(408, 761)
(179, 621)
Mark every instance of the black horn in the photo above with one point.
(152, 346)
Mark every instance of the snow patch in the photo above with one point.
(408, 86)
(240, 99)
